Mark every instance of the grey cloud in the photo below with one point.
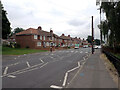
(75, 22)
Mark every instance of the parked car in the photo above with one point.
(85, 46)
(97, 46)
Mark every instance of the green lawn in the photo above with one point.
(19, 51)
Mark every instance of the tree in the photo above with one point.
(17, 30)
(89, 39)
(6, 29)
(97, 42)
(112, 22)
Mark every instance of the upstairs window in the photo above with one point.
(53, 38)
(41, 37)
(44, 38)
(35, 36)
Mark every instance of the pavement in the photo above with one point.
(72, 68)
(93, 75)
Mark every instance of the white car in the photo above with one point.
(97, 46)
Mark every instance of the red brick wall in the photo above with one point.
(25, 41)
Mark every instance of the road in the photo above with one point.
(43, 70)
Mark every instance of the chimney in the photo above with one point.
(62, 34)
(75, 37)
(79, 37)
(68, 35)
(51, 32)
(39, 28)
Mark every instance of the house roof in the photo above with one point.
(34, 32)
(65, 37)
(28, 31)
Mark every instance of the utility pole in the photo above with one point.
(92, 37)
(100, 29)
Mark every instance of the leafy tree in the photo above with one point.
(17, 30)
(6, 29)
(89, 39)
(97, 42)
(112, 22)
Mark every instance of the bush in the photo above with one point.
(17, 45)
(27, 47)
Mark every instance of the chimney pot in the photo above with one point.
(68, 35)
(62, 34)
(39, 28)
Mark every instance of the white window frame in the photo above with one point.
(53, 38)
(35, 37)
(43, 37)
(40, 37)
(38, 43)
(47, 44)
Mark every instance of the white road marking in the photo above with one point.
(44, 65)
(5, 71)
(18, 56)
(84, 58)
(52, 54)
(13, 64)
(74, 68)
(56, 87)
(11, 76)
(65, 79)
(66, 74)
(26, 71)
(51, 57)
(22, 70)
(14, 58)
(86, 52)
(28, 64)
(41, 60)
(81, 52)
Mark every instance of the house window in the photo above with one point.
(38, 43)
(55, 39)
(44, 38)
(35, 36)
(55, 44)
(52, 38)
(49, 38)
(41, 37)
(47, 43)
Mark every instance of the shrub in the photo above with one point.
(27, 47)
(17, 45)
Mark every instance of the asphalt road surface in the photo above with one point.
(42, 70)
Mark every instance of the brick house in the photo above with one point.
(66, 40)
(37, 39)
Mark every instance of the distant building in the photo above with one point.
(40, 39)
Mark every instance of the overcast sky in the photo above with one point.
(63, 16)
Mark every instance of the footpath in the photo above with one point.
(93, 74)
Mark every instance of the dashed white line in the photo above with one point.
(56, 87)
(41, 60)
(11, 76)
(51, 57)
(5, 71)
(28, 64)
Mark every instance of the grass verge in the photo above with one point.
(19, 51)
(110, 67)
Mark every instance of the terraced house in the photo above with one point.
(40, 39)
